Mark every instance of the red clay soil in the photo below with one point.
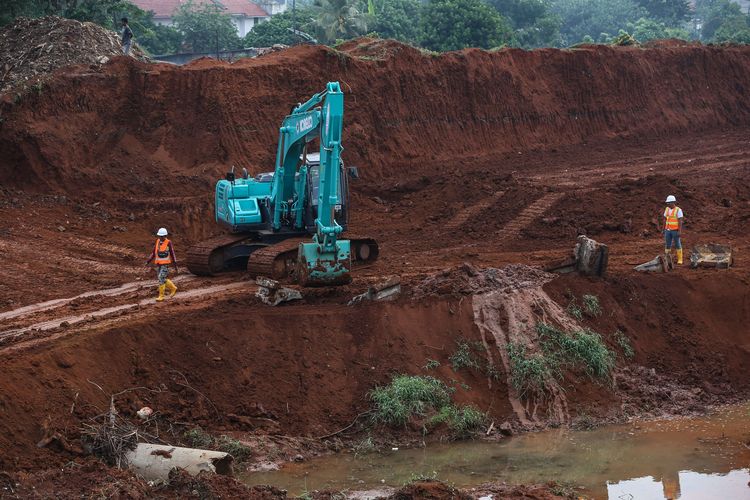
(306, 370)
(487, 158)
(144, 130)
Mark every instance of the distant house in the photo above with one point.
(245, 14)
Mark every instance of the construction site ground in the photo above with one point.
(487, 159)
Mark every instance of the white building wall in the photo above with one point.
(242, 24)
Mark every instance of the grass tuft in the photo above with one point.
(463, 357)
(432, 364)
(462, 420)
(234, 447)
(591, 305)
(624, 342)
(574, 310)
(198, 438)
(583, 348)
(529, 373)
(408, 395)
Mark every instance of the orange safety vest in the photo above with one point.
(162, 256)
(673, 223)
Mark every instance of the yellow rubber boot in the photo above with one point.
(679, 255)
(161, 293)
(172, 288)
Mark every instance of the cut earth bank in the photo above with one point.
(306, 371)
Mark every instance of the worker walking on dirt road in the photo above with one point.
(672, 227)
(163, 256)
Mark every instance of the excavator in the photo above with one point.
(271, 216)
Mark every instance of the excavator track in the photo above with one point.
(208, 257)
(279, 261)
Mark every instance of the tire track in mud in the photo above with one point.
(12, 335)
(599, 174)
(528, 215)
(473, 210)
(109, 292)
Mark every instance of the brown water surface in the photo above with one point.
(695, 458)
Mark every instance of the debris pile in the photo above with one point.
(589, 258)
(32, 49)
(272, 293)
(711, 255)
(467, 279)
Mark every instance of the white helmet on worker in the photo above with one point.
(671, 199)
(163, 230)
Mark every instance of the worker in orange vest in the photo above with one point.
(163, 256)
(672, 227)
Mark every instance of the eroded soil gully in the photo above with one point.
(246, 370)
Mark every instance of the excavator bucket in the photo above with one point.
(316, 268)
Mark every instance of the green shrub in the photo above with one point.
(591, 305)
(408, 395)
(462, 420)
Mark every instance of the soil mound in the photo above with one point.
(468, 280)
(32, 49)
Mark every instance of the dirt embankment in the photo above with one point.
(307, 370)
(139, 130)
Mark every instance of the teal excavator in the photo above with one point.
(271, 216)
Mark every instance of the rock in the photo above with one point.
(387, 290)
(506, 429)
(589, 258)
(711, 255)
(272, 293)
(299, 458)
(61, 229)
(662, 263)
(131, 217)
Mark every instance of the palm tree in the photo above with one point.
(338, 19)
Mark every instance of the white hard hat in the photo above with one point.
(163, 231)
(671, 198)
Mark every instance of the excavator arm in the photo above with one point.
(327, 260)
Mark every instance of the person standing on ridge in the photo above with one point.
(672, 217)
(163, 256)
(127, 36)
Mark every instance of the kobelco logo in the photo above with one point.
(304, 124)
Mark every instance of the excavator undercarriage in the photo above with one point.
(277, 260)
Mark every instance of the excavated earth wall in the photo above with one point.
(125, 127)
(307, 371)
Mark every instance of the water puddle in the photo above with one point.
(698, 458)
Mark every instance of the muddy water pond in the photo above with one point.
(700, 458)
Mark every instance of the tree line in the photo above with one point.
(434, 25)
